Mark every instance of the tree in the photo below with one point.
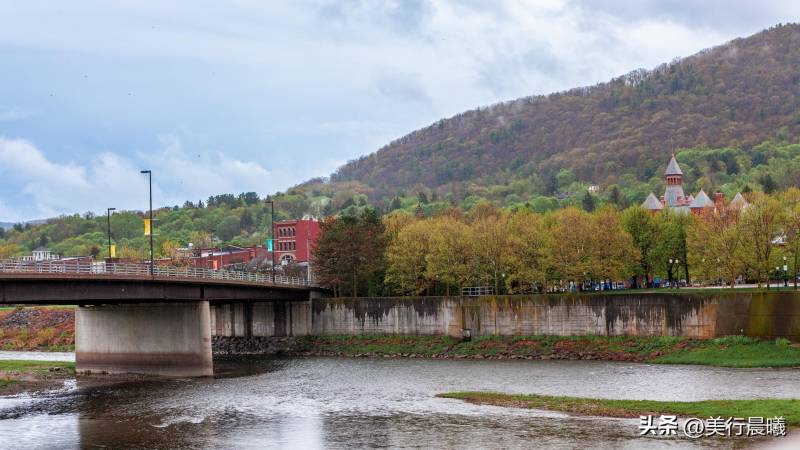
(569, 250)
(449, 259)
(228, 228)
(761, 223)
(643, 232)
(717, 248)
(768, 183)
(200, 239)
(246, 222)
(615, 195)
(791, 229)
(405, 257)
(588, 202)
(526, 252)
(614, 255)
(671, 253)
(8, 250)
(488, 240)
(350, 252)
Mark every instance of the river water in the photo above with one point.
(355, 403)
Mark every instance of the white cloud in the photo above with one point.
(295, 85)
(50, 188)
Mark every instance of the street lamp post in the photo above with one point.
(272, 234)
(108, 213)
(785, 273)
(152, 225)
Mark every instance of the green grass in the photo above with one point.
(731, 351)
(6, 308)
(736, 351)
(787, 408)
(38, 367)
(4, 383)
(377, 344)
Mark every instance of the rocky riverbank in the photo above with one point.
(37, 328)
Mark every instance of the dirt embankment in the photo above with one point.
(37, 328)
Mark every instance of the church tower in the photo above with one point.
(674, 196)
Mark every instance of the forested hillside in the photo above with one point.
(730, 113)
(736, 95)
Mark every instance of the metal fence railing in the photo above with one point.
(102, 269)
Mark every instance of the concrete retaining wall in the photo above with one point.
(699, 315)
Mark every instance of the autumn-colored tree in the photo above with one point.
(614, 256)
(761, 222)
(9, 249)
(488, 239)
(716, 249)
(570, 247)
(526, 252)
(449, 260)
(406, 258)
(643, 231)
(350, 253)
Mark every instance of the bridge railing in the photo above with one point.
(110, 270)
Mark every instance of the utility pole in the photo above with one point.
(150, 177)
(108, 213)
(272, 234)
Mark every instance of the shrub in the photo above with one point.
(46, 334)
(735, 340)
(782, 342)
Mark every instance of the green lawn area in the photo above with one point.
(735, 351)
(15, 365)
(787, 408)
(6, 308)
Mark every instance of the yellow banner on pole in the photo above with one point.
(113, 251)
(147, 227)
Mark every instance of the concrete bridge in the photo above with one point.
(129, 321)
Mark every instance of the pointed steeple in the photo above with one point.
(673, 168)
(652, 203)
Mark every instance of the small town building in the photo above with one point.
(40, 254)
(700, 205)
(295, 239)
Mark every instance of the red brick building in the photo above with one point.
(219, 258)
(294, 239)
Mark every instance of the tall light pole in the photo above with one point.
(272, 234)
(150, 178)
(108, 212)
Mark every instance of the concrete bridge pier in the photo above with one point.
(164, 339)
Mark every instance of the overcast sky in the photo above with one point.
(260, 95)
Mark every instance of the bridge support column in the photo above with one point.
(164, 339)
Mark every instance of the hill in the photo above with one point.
(736, 95)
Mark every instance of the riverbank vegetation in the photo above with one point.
(789, 409)
(732, 351)
(19, 375)
(37, 328)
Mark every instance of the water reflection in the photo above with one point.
(347, 403)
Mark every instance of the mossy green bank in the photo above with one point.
(789, 409)
(732, 351)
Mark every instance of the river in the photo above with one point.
(356, 403)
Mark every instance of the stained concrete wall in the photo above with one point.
(261, 319)
(699, 315)
(635, 315)
(169, 339)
